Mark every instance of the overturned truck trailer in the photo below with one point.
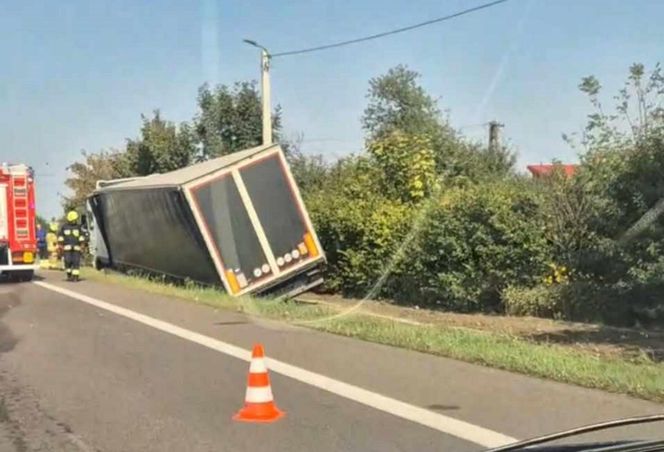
(237, 221)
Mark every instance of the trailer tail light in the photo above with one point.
(310, 244)
(233, 284)
(241, 280)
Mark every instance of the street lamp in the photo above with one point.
(265, 91)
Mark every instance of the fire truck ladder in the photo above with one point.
(20, 196)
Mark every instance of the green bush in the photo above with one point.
(578, 301)
(486, 242)
(538, 301)
(475, 242)
(359, 237)
(358, 226)
(581, 301)
(409, 165)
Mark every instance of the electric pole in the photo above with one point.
(494, 135)
(265, 88)
(265, 92)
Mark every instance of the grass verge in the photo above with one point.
(640, 377)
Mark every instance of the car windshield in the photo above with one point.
(333, 226)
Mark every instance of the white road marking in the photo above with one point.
(460, 429)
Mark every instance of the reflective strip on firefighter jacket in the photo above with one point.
(71, 237)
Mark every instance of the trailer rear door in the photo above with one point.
(254, 222)
(280, 212)
(227, 224)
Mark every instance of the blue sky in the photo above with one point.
(77, 74)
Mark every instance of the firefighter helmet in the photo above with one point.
(72, 216)
(53, 227)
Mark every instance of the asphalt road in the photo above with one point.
(76, 376)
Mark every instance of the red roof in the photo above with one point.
(545, 170)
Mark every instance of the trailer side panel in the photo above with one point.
(154, 230)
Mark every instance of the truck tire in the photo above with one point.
(22, 275)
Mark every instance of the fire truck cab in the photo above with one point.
(18, 241)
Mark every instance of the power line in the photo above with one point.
(391, 32)
(468, 126)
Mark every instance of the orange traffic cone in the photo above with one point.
(258, 402)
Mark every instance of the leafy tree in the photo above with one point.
(85, 174)
(494, 162)
(230, 119)
(42, 221)
(624, 159)
(310, 171)
(398, 102)
(567, 208)
(622, 154)
(638, 115)
(467, 162)
(408, 165)
(161, 147)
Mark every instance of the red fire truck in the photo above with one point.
(18, 242)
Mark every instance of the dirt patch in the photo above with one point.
(599, 339)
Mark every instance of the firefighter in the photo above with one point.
(52, 245)
(71, 239)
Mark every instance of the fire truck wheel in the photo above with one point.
(22, 276)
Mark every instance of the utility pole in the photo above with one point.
(494, 135)
(265, 92)
(265, 97)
